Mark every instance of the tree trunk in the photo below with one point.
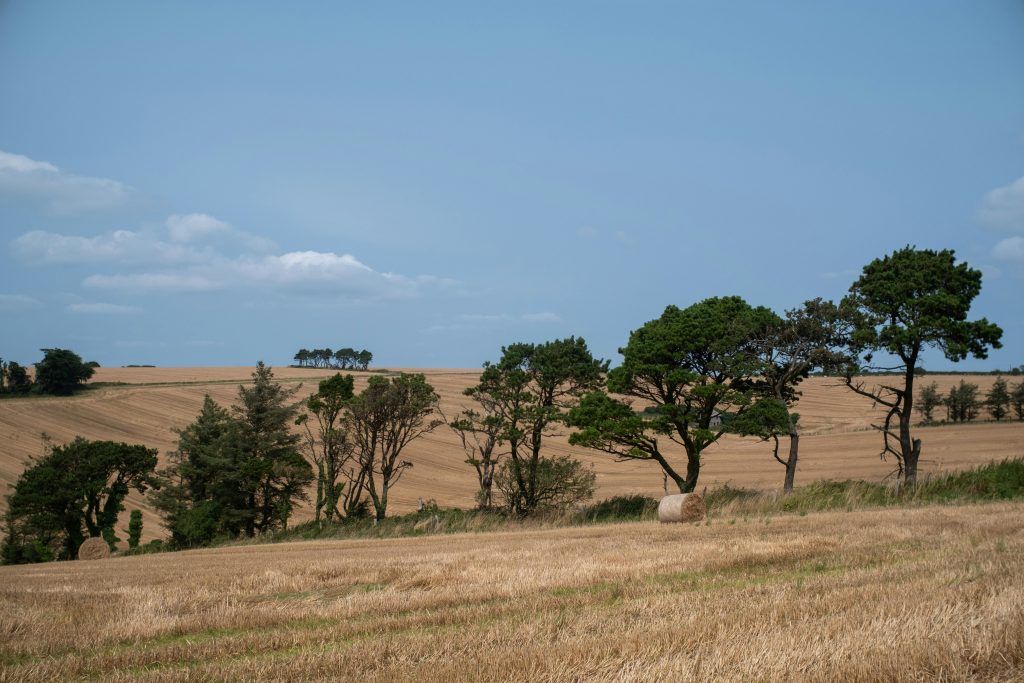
(909, 447)
(794, 448)
(692, 472)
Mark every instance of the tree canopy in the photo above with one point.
(902, 304)
(75, 490)
(61, 372)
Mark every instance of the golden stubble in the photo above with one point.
(930, 593)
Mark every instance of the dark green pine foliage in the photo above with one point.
(998, 399)
(271, 471)
(902, 304)
(695, 367)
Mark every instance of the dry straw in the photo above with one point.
(94, 548)
(682, 507)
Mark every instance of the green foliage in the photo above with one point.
(382, 420)
(560, 483)
(1017, 400)
(110, 537)
(72, 491)
(135, 529)
(998, 399)
(61, 372)
(235, 472)
(928, 401)
(962, 403)
(697, 367)
(529, 391)
(14, 379)
(620, 508)
(901, 305)
(329, 445)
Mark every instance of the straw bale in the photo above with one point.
(94, 548)
(682, 507)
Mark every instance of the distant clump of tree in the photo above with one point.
(60, 373)
(342, 359)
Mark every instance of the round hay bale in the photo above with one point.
(94, 548)
(682, 507)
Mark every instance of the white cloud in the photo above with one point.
(61, 192)
(12, 302)
(545, 317)
(119, 246)
(197, 252)
(190, 226)
(103, 309)
(1003, 207)
(1009, 249)
(485, 317)
(168, 282)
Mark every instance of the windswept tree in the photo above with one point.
(61, 372)
(74, 491)
(695, 369)
(531, 388)
(479, 431)
(807, 338)
(328, 442)
(901, 305)
(382, 420)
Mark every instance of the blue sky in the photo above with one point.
(217, 183)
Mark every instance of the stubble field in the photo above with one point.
(838, 442)
(925, 594)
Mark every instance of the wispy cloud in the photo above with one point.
(57, 190)
(1009, 249)
(1003, 207)
(103, 309)
(544, 317)
(14, 302)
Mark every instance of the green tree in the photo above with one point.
(562, 483)
(696, 368)
(273, 473)
(382, 420)
(998, 399)
(205, 489)
(531, 389)
(72, 491)
(328, 442)
(928, 401)
(901, 305)
(962, 402)
(134, 529)
(1017, 400)
(479, 432)
(15, 379)
(61, 372)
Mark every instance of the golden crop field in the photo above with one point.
(918, 594)
(838, 441)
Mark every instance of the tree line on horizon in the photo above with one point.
(342, 359)
(719, 366)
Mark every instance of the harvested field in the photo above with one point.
(838, 441)
(933, 593)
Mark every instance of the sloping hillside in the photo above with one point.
(153, 402)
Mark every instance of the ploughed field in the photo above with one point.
(926, 593)
(838, 442)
